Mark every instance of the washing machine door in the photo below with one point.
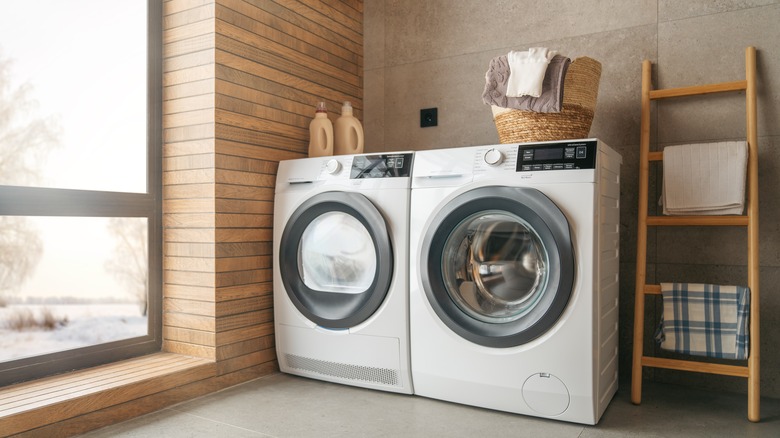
(336, 259)
(497, 265)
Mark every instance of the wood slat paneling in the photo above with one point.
(187, 292)
(253, 303)
(190, 249)
(243, 41)
(244, 291)
(242, 249)
(189, 305)
(189, 349)
(190, 82)
(245, 334)
(319, 23)
(245, 347)
(199, 337)
(202, 146)
(287, 35)
(187, 16)
(292, 23)
(189, 191)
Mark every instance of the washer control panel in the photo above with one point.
(557, 156)
(381, 166)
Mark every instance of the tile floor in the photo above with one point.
(282, 405)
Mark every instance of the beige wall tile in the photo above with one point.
(675, 9)
(711, 49)
(374, 112)
(432, 29)
(373, 34)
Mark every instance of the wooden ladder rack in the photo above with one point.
(749, 220)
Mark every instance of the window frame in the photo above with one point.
(38, 201)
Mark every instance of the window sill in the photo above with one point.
(78, 401)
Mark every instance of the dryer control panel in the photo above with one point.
(381, 166)
(557, 156)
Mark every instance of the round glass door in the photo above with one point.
(336, 254)
(494, 266)
(336, 259)
(497, 265)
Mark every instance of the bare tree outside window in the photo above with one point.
(25, 140)
(129, 263)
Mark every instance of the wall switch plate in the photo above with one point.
(429, 117)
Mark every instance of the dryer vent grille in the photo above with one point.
(383, 376)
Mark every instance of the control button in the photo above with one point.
(528, 154)
(568, 153)
(569, 165)
(333, 166)
(581, 152)
(526, 167)
(557, 166)
(537, 167)
(548, 167)
(494, 157)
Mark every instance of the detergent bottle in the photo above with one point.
(320, 133)
(348, 133)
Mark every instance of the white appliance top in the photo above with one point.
(363, 171)
(568, 161)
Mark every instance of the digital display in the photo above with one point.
(548, 154)
(565, 155)
(381, 166)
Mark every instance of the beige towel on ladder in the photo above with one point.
(705, 178)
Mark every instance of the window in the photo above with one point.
(80, 184)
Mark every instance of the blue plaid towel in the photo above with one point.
(705, 320)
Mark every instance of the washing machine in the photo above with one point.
(514, 277)
(341, 275)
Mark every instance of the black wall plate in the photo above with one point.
(429, 117)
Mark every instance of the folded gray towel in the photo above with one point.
(551, 99)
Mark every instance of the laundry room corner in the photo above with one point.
(683, 40)
(353, 235)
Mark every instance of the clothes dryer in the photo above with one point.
(341, 236)
(514, 277)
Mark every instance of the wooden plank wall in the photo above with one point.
(242, 79)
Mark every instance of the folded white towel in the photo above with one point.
(526, 71)
(705, 179)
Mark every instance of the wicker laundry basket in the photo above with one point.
(581, 88)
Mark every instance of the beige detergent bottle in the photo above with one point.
(320, 133)
(348, 133)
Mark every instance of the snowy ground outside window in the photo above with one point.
(87, 324)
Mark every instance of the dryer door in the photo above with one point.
(336, 259)
(497, 265)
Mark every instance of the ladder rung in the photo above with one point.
(699, 367)
(655, 156)
(697, 220)
(698, 89)
(652, 289)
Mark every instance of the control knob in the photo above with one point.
(332, 166)
(494, 157)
